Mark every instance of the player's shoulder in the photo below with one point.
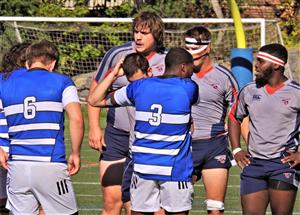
(249, 87)
(222, 70)
(294, 85)
(120, 49)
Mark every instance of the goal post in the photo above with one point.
(82, 42)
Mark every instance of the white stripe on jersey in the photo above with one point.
(1, 106)
(42, 141)
(3, 122)
(40, 106)
(159, 137)
(165, 118)
(140, 149)
(153, 169)
(5, 148)
(4, 135)
(34, 126)
(31, 158)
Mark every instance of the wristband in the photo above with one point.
(236, 150)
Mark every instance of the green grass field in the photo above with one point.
(87, 186)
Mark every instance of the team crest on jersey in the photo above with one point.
(256, 97)
(287, 174)
(212, 83)
(285, 101)
(158, 68)
(221, 158)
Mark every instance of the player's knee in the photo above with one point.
(111, 204)
(281, 185)
(214, 205)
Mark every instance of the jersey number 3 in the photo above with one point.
(156, 116)
(29, 107)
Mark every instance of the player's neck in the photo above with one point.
(206, 65)
(40, 66)
(276, 81)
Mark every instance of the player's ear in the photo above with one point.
(149, 72)
(208, 48)
(52, 65)
(276, 66)
(27, 65)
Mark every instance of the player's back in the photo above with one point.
(161, 150)
(33, 106)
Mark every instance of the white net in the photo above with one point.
(83, 44)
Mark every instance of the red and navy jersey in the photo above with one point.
(217, 91)
(274, 117)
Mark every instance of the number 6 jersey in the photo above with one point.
(34, 104)
(161, 150)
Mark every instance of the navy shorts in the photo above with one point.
(117, 144)
(210, 154)
(126, 180)
(256, 176)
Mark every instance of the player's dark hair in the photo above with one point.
(153, 21)
(276, 50)
(14, 58)
(42, 51)
(133, 62)
(176, 57)
(200, 33)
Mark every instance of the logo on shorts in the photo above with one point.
(221, 158)
(256, 97)
(287, 174)
(285, 101)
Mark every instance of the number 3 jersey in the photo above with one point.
(161, 150)
(33, 105)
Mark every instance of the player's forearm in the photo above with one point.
(76, 134)
(76, 126)
(234, 132)
(97, 95)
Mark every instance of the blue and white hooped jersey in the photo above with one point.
(34, 104)
(162, 148)
(4, 138)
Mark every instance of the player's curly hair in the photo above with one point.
(153, 21)
(14, 58)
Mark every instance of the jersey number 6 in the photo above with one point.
(29, 107)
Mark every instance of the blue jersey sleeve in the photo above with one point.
(132, 89)
(192, 91)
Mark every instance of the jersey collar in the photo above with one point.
(203, 73)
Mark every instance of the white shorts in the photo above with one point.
(151, 195)
(31, 184)
(3, 174)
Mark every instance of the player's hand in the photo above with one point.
(3, 159)
(73, 164)
(242, 158)
(96, 138)
(293, 159)
(118, 70)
